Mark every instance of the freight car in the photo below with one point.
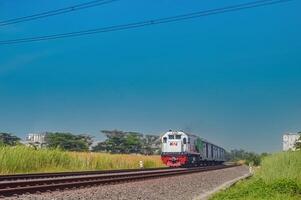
(181, 149)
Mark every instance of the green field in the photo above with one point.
(278, 177)
(21, 159)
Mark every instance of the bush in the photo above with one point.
(285, 186)
(247, 157)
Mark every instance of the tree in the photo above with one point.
(120, 142)
(87, 138)
(68, 141)
(133, 142)
(114, 142)
(151, 144)
(128, 142)
(9, 139)
(298, 142)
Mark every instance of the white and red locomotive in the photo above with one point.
(183, 149)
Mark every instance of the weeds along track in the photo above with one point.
(68, 180)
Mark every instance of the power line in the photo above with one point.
(56, 12)
(198, 14)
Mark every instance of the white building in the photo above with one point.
(36, 139)
(289, 141)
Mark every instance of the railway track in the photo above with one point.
(20, 184)
(64, 174)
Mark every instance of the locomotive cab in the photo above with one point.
(174, 142)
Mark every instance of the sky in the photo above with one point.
(232, 78)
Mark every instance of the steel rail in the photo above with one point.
(11, 177)
(31, 186)
(22, 183)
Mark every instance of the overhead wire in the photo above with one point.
(56, 12)
(187, 16)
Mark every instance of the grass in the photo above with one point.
(278, 178)
(21, 159)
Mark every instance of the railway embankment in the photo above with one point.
(278, 178)
(187, 186)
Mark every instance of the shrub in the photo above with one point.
(285, 186)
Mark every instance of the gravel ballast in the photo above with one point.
(187, 186)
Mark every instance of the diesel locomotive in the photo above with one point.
(180, 149)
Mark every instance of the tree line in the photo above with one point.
(116, 142)
(242, 155)
(128, 142)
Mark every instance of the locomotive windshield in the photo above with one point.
(178, 136)
(171, 137)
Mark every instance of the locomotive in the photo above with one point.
(181, 149)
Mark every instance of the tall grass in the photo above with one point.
(279, 177)
(284, 165)
(21, 159)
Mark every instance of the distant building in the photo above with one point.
(289, 141)
(36, 139)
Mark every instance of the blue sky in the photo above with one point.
(232, 78)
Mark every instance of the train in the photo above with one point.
(180, 149)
